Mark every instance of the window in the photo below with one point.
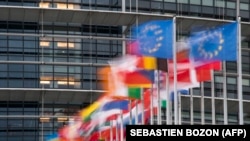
(244, 6)
(207, 2)
(231, 80)
(197, 2)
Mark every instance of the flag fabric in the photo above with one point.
(214, 65)
(52, 137)
(134, 93)
(115, 104)
(153, 38)
(147, 62)
(139, 78)
(217, 43)
(150, 63)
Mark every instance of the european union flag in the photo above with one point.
(154, 38)
(218, 43)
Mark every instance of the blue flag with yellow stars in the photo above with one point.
(217, 43)
(154, 38)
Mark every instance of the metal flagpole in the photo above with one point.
(239, 86)
(202, 103)
(111, 130)
(130, 113)
(136, 111)
(240, 96)
(225, 112)
(168, 99)
(142, 101)
(179, 107)
(121, 127)
(151, 106)
(175, 74)
(212, 97)
(158, 98)
(116, 130)
(191, 107)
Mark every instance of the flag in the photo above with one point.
(115, 104)
(217, 43)
(134, 93)
(139, 78)
(52, 137)
(88, 111)
(152, 63)
(153, 38)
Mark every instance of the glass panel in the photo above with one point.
(195, 2)
(244, 6)
(220, 3)
(182, 1)
(208, 2)
(245, 82)
(218, 79)
(169, 0)
(231, 80)
(231, 5)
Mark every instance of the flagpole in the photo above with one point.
(179, 106)
(225, 111)
(158, 98)
(212, 97)
(175, 73)
(191, 107)
(151, 106)
(136, 111)
(202, 104)
(116, 130)
(167, 100)
(111, 131)
(121, 127)
(130, 113)
(241, 118)
(142, 101)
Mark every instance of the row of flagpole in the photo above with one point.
(177, 100)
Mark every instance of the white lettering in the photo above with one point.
(202, 132)
(132, 132)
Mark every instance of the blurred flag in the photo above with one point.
(88, 111)
(52, 137)
(218, 43)
(153, 38)
(115, 104)
(139, 78)
(134, 93)
(152, 63)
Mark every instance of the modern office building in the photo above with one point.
(50, 52)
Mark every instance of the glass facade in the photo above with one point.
(53, 60)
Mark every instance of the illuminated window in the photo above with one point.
(44, 119)
(44, 4)
(44, 82)
(71, 45)
(62, 44)
(61, 5)
(65, 45)
(62, 119)
(44, 43)
(71, 6)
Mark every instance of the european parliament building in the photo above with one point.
(50, 52)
